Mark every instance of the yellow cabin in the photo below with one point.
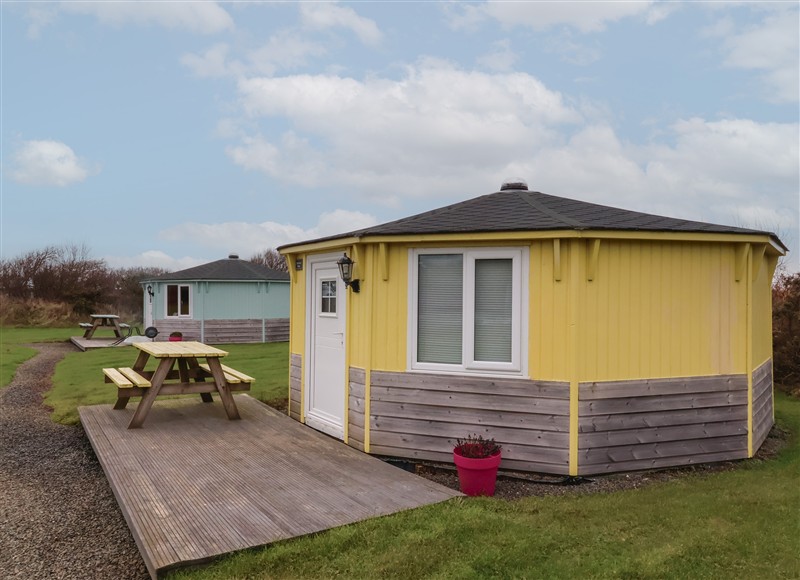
(585, 339)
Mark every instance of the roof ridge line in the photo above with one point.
(550, 212)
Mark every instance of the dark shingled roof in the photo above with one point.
(523, 210)
(227, 269)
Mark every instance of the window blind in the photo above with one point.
(493, 310)
(440, 308)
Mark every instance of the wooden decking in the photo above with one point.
(194, 485)
(91, 343)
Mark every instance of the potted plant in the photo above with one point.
(477, 460)
(175, 336)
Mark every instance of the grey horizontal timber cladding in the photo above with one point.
(277, 329)
(656, 387)
(189, 328)
(246, 330)
(611, 422)
(661, 434)
(662, 403)
(763, 374)
(431, 443)
(623, 453)
(455, 431)
(762, 403)
(491, 401)
(424, 414)
(645, 424)
(659, 462)
(761, 428)
(469, 416)
(480, 385)
(232, 331)
(356, 418)
(295, 384)
(356, 403)
(761, 407)
(447, 457)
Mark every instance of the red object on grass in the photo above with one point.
(476, 476)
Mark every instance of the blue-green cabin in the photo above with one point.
(225, 301)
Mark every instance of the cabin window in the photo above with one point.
(328, 297)
(179, 301)
(467, 310)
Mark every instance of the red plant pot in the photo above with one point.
(476, 476)
(175, 338)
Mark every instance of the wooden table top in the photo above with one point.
(187, 349)
(103, 316)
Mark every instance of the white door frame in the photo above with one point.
(148, 310)
(312, 264)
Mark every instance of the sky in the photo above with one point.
(174, 133)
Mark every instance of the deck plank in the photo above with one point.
(193, 485)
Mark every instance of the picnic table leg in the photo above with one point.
(90, 331)
(164, 366)
(122, 401)
(141, 361)
(199, 378)
(222, 387)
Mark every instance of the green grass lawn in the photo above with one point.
(737, 524)
(743, 523)
(13, 351)
(78, 379)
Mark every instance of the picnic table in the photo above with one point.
(100, 320)
(191, 376)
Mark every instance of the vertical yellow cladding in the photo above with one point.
(389, 308)
(548, 326)
(662, 309)
(762, 309)
(297, 318)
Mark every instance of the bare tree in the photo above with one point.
(18, 275)
(271, 258)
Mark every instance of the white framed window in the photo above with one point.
(179, 301)
(468, 310)
(327, 298)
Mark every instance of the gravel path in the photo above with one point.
(58, 516)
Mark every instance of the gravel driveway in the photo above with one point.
(58, 516)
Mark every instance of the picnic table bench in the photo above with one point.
(99, 320)
(191, 377)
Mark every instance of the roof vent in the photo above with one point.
(515, 183)
(233, 256)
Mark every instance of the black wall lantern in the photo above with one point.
(150, 291)
(346, 272)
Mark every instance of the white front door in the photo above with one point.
(148, 312)
(326, 312)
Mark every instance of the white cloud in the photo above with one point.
(39, 17)
(731, 158)
(390, 136)
(771, 46)
(285, 50)
(201, 17)
(590, 16)
(249, 238)
(325, 15)
(211, 63)
(49, 163)
(153, 259)
(501, 58)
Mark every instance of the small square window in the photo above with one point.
(328, 294)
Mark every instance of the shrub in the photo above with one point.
(786, 329)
